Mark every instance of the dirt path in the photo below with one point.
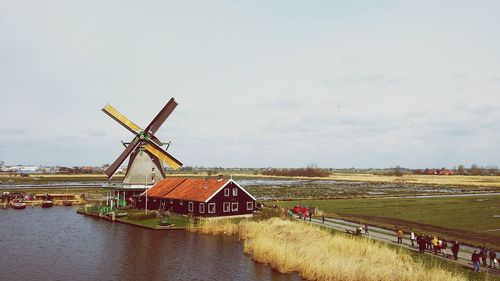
(389, 236)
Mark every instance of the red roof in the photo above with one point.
(186, 189)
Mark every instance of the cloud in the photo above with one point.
(354, 80)
(276, 87)
(458, 76)
(351, 59)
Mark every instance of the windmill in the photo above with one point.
(145, 149)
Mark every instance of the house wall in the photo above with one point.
(177, 207)
(241, 198)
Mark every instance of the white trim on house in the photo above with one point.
(228, 193)
(222, 187)
(235, 191)
(211, 204)
(251, 205)
(190, 206)
(233, 209)
(228, 209)
(200, 209)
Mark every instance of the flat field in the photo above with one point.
(469, 181)
(455, 180)
(471, 220)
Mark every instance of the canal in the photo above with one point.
(58, 244)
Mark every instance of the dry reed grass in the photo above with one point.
(316, 254)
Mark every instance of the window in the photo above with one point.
(190, 206)
(154, 200)
(211, 208)
(235, 192)
(181, 203)
(202, 208)
(171, 201)
(249, 205)
(227, 207)
(234, 206)
(226, 192)
(140, 200)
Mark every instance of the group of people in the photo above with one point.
(441, 246)
(483, 255)
(434, 244)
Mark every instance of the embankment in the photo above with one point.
(316, 254)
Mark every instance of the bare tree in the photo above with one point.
(475, 170)
(397, 171)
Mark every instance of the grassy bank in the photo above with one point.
(317, 254)
(150, 220)
(467, 219)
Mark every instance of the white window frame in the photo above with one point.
(233, 209)
(201, 208)
(190, 206)
(235, 191)
(209, 207)
(171, 201)
(226, 192)
(226, 207)
(249, 205)
(181, 202)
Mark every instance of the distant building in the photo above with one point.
(439, 172)
(22, 169)
(199, 197)
(445, 172)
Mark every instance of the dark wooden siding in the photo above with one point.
(175, 206)
(241, 198)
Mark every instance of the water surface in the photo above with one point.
(58, 244)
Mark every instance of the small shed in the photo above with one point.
(199, 197)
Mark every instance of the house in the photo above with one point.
(445, 172)
(199, 197)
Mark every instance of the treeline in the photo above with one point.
(473, 170)
(476, 170)
(309, 171)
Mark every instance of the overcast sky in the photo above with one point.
(259, 83)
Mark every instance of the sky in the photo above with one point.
(366, 84)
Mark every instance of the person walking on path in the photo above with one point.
(493, 256)
(444, 246)
(428, 240)
(422, 244)
(323, 217)
(366, 229)
(400, 235)
(412, 238)
(435, 242)
(483, 254)
(475, 261)
(454, 249)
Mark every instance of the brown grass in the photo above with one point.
(316, 254)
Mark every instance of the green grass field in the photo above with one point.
(176, 220)
(467, 219)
